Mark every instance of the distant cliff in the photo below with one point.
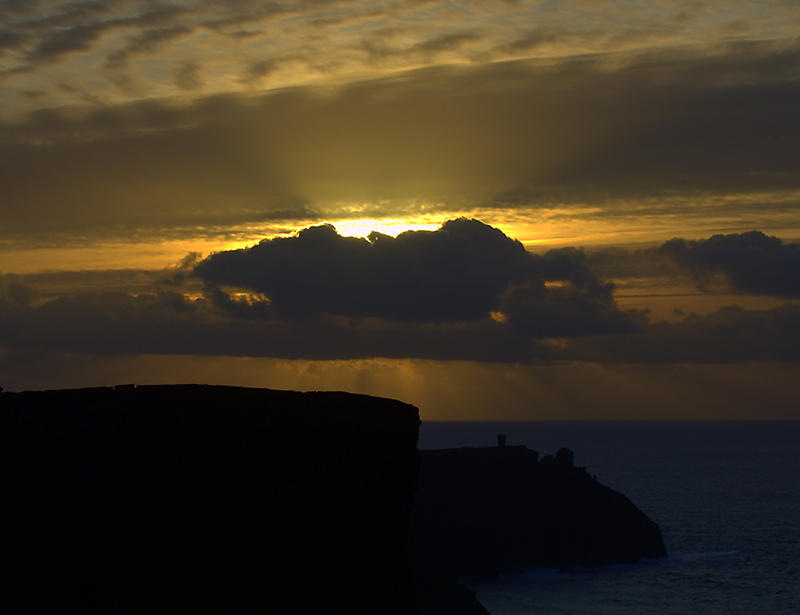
(486, 511)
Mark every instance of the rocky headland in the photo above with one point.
(500, 510)
(191, 498)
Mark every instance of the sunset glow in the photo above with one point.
(362, 228)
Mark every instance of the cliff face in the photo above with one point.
(486, 511)
(200, 498)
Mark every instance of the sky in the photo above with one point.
(499, 210)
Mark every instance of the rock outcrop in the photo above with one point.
(486, 511)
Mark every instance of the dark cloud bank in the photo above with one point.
(463, 292)
(749, 263)
(752, 262)
(463, 272)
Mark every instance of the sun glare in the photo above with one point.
(362, 228)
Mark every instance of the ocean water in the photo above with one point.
(725, 494)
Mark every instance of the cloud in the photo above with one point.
(616, 263)
(378, 49)
(752, 262)
(463, 292)
(528, 41)
(16, 293)
(729, 335)
(47, 285)
(80, 27)
(256, 72)
(539, 312)
(10, 41)
(456, 273)
(148, 42)
(52, 42)
(76, 39)
(168, 323)
(506, 136)
(115, 324)
(188, 76)
(464, 271)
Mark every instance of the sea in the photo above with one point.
(726, 496)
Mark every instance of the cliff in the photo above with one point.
(194, 498)
(486, 511)
(206, 499)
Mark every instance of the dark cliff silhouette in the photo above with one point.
(486, 511)
(206, 499)
(191, 498)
